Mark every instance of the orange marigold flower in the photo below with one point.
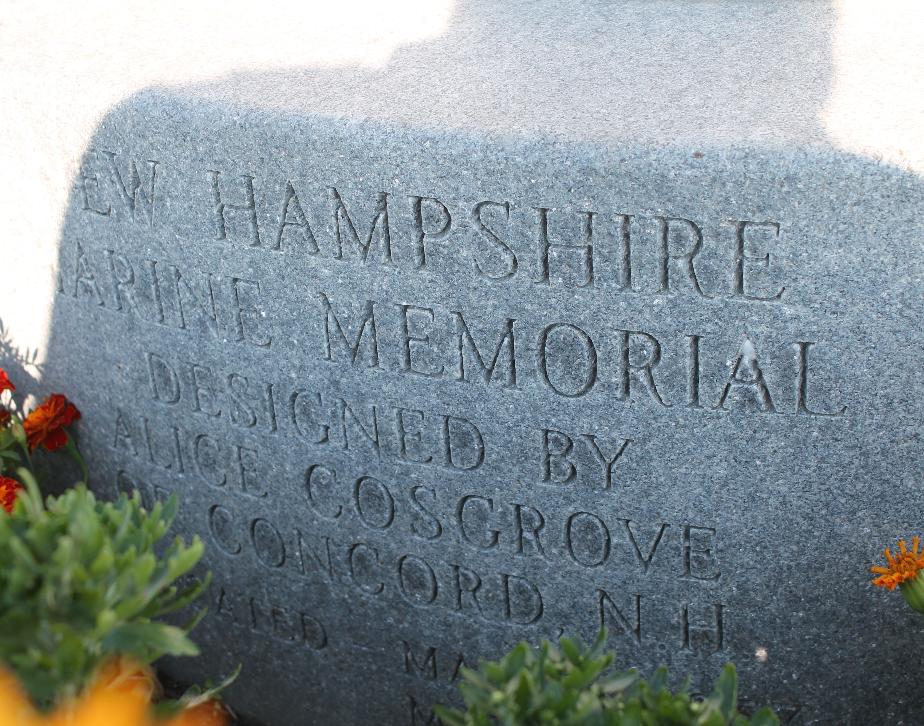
(903, 567)
(45, 425)
(102, 705)
(98, 706)
(119, 696)
(5, 383)
(207, 713)
(17, 708)
(9, 490)
(122, 673)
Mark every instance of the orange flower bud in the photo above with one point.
(9, 490)
(5, 383)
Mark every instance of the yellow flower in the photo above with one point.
(103, 705)
(120, 696)
(15, 707)
(902, 568)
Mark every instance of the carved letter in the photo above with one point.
(642, 371)
(316, 475)
(584, 540)
(372, 359)
(131, 197)
(249, 208)
(714, 633)
(606, 461)
(493, 534)
(510, 257)
(586, 250)
(421, 235)
(86, 177)
(162, 376)
(460, 434)
(248, 318)
(665, 257)
(802, 406)
(506, 344)
(697, 554)
(530, 607)
(607, 607)
(298, 220)
(590, 354)
(746, 374)
(556, 466)
(341, 214)
(421, 339)
(741, 255)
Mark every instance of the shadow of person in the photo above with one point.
(263, 279)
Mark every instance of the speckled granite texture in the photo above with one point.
(573, 314)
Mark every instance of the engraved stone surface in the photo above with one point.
(570, 315)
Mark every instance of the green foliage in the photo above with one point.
(80, 581)
(571, 687)
(194, 696)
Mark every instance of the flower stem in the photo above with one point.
(75, 454)
(913, 591)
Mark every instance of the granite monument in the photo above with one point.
(567, 318)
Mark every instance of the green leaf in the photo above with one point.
(570, 649)
(174, 600)
(449, 716)
(621, 682)
(726, 692)
(153, 637)
(596, 650)
(764, 717)
(194, 696)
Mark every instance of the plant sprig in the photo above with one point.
(81, 582)
(570, 685)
